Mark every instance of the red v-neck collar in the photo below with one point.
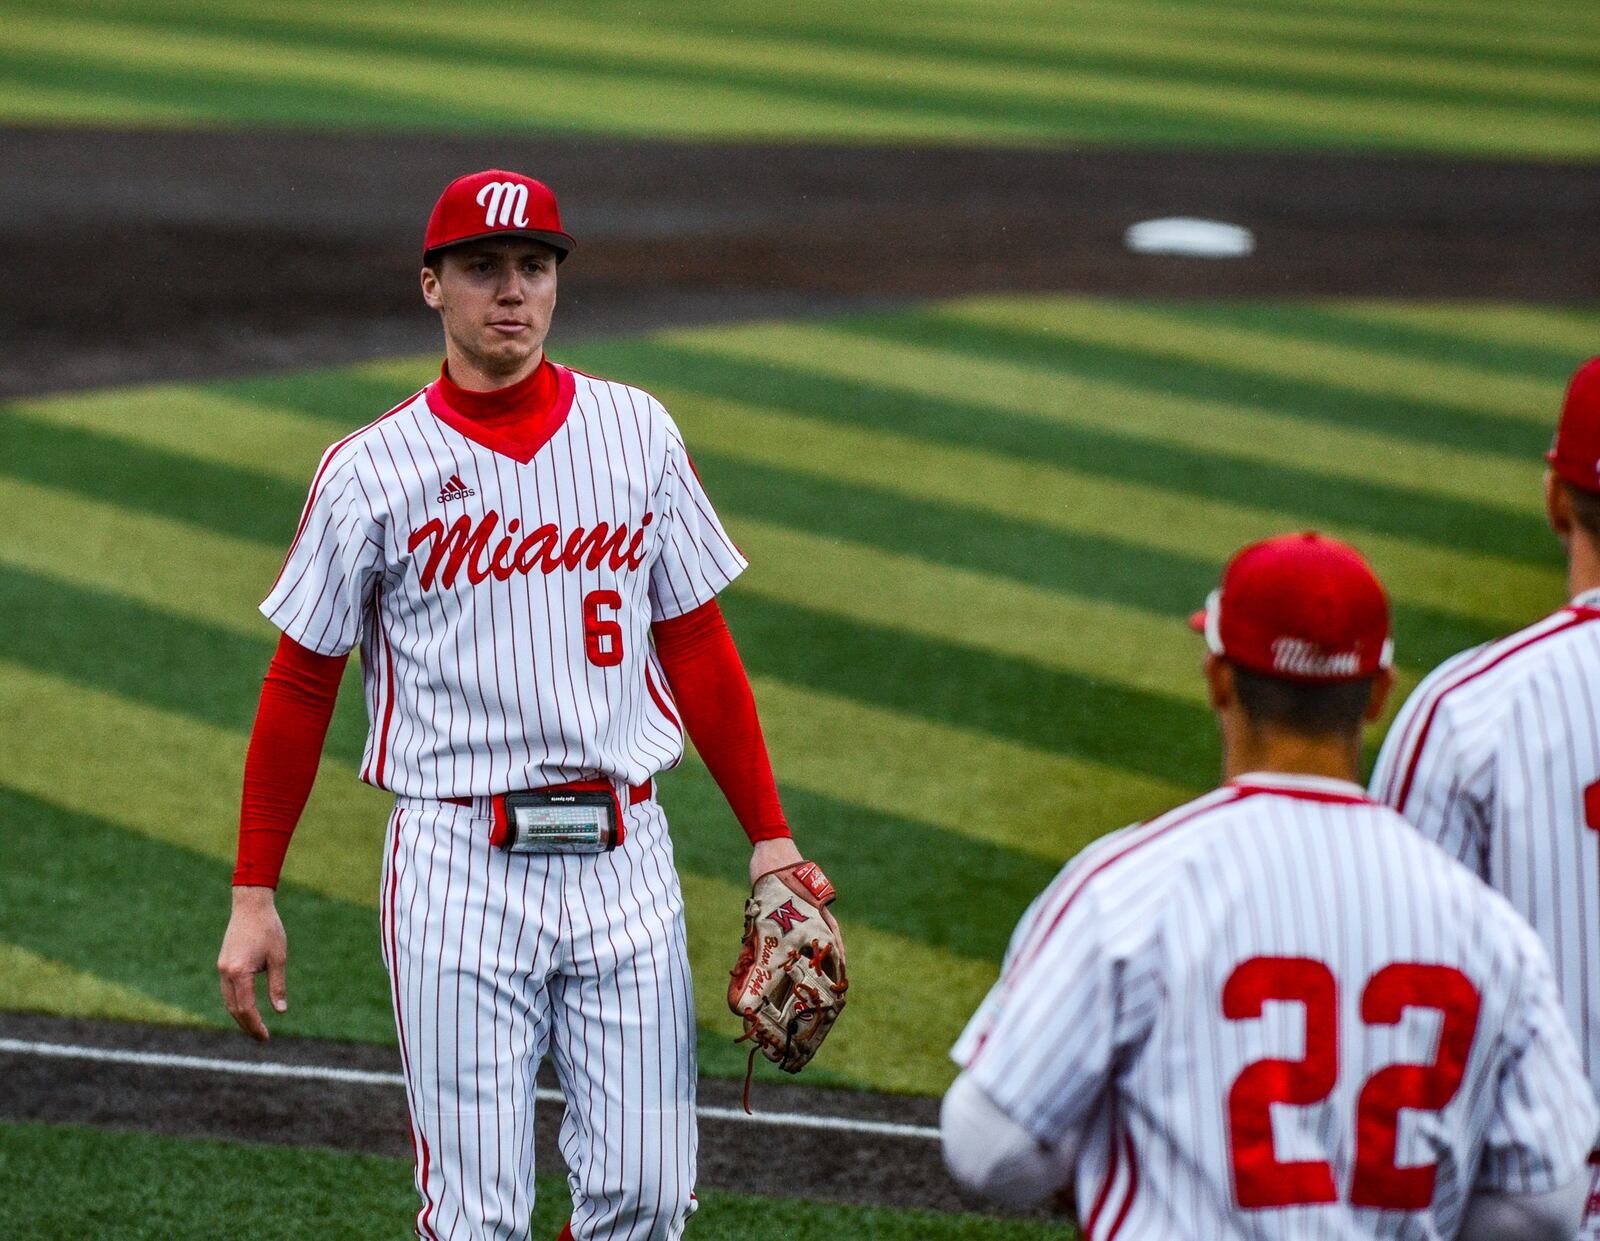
(502, 399)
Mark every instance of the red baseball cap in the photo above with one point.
(1302, 607)
(496, 203)
(1575, 454)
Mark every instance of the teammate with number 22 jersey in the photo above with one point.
(1278, 1011)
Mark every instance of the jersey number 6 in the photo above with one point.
(602, 636)
(1260, 1179)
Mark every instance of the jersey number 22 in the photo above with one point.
(1260, 1179)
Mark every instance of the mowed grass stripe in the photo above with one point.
(1042, 501)
(1570, 331)
(201, 92)
(1557, 13)
(1223, 60)
(1460, 398)
(1100, 563)
(249, 80)
(33, 982)
(603, 76)
(1403, 473)
(29, 97)
(622, 79)
(211, 579)
(64, 1183)
(967, 607)
(172, 777)
(204, 425)
(171, 905)
(1348, 324)
(207, 673)
(1472, 38)
(225, 499)
(966, 781)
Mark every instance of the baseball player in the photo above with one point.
(1278, 1011)
(529, 565)
(1496, 756)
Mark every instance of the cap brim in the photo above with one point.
(562, 243)
(1197, 621)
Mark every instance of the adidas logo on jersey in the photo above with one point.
(455, 489)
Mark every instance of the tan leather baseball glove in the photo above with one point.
(790, 981)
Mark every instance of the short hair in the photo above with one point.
(1309, 708)
(432, 258)
(1585, 508)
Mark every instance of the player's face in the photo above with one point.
(495, 298)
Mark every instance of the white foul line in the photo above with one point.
(366, 1077)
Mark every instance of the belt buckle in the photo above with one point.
(558, 820)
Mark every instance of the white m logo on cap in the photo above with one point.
(505, 204)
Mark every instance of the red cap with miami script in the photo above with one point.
(496, 203)
(1302, 607)
(1575, 455)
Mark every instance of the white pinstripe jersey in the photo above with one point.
(1496, 757)
(502, 597)
(1278, 1012)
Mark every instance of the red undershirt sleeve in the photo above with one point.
(280, 766)
(719, 713)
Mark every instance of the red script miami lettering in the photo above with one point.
(463, 545)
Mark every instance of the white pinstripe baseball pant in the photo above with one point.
(494, 960)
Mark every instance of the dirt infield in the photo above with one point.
(840, 1165)
(189, 255)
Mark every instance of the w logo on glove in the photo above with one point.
(787, 916)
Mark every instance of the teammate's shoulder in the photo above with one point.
(1511, 656)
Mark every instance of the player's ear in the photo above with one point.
(1382, 685)
(430, 288)
(1219, 682)
(1557, 506)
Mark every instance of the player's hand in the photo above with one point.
(254, 942)
(770, 855)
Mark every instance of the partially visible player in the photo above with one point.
(1278, 1011)
(1497, 755)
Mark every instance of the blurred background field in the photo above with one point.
(976, 520)
(1465, 76)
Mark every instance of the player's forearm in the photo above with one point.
(992, 1155)
(713, 693)
(297, 701)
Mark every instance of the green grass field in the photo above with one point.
(975, 530)
(1465, 76)
(66, 1184)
